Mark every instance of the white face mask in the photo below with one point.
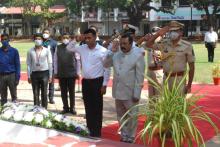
(38, 42)
(46, 36)
(174, 35)
(66, 41)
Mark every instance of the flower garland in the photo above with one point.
(38, 116)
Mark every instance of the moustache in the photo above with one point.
(122, 48)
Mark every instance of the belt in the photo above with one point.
(155, 68)
(6, 73)
(173, 74)
(99, 78)
(41, 71)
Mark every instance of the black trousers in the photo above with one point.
(67, 85)
(210, 47)
(40, 84)
(93, 101)
(51, 90)
(7, 80)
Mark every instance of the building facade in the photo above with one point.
(195, 21)
(12, 21)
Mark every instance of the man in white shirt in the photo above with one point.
(211, 39)
(39, 69)
(95, 79)
(98, 40)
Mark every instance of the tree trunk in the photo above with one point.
(212, 21)
(135, 16)
(27, 29)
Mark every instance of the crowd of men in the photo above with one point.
(167, 57)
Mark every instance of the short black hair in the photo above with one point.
(130, 31)
(38, 35)
(127, 35)
(92, 31)
(5, 35)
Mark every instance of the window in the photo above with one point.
(166, 3)
(183, 3)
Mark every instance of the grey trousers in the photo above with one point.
(128, 131)
(7, 81)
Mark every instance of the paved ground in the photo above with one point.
(15, 135)
(25, 95)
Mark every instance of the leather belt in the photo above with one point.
(155, 68)
(99, 78)
(173, 74)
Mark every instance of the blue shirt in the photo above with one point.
(10, 61)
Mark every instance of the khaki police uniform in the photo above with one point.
(175, 58)
(154, 71)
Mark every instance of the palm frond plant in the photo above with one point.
(171, 116)
(216, 73)
(216, 70)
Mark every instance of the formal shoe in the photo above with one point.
(130, 140)
(51, 101)
(123, 140)
(14, 101)
(64, 112)
(73, 112)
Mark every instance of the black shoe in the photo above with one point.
(73, 112)
(123, 140)
(51, 101)
(64, 112)
(14, 101)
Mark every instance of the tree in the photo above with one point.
(46, 15)
(134, 8)
(30, 9)
(207, 5)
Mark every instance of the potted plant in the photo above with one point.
(170, 116)
(216, 74)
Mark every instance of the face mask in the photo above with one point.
(38, 42)
(5, 43)
(174, 35)
(66, 41)
(46, 36)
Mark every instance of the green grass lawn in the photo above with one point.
(23, 47)
(203, 73)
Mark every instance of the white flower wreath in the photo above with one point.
(35, 115)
